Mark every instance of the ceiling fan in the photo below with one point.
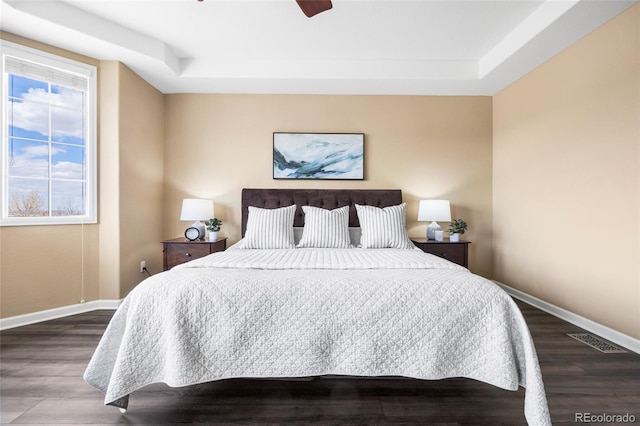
(312, 7)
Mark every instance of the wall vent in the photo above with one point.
(597, 343)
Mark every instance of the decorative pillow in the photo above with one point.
(383, 228)
(325, 228)
(269, 228)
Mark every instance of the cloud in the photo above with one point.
(33, 112)
(40, 150)
(33, 161)
(67, 170)
(29, 166)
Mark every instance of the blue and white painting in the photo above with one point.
(318, 156)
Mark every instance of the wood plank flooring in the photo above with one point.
(41, 369)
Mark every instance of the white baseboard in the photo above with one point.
(603, 331)
(49, 314)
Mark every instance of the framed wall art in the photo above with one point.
(318, 156)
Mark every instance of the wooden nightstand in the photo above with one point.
(455, 252)
(181, 250)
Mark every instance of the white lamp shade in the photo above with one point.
(196, 209)
(434, 211)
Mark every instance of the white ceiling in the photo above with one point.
(448, 47)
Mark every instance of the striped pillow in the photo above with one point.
(325, 228)
(383, 228)
(269, 228)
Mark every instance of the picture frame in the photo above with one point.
(328, 156)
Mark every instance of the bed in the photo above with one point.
(323, 283)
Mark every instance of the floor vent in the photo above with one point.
(597, 343)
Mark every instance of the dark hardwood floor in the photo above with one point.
(42, 365)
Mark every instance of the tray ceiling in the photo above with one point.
(358, 47)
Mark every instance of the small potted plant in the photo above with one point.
(456, 228)
(213, 226)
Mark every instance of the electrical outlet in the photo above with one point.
(143, 266)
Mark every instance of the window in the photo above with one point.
(48, 139)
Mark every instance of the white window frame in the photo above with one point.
(91, 164)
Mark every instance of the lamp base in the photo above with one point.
(431, 230)
(200, 226)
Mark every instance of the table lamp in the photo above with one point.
(434, 211)
(197, 209)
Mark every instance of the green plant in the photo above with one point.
(213, 225)
(458, 226)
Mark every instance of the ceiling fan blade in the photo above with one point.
(313, 7)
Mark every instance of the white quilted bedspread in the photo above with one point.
(271, 313)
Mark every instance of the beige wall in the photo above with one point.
(131, 156)
(44, 267)
(109, 172)
(566, 178)
(430, 147)
(141, 178)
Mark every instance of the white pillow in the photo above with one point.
(325, 228)
(383, 228)
(269, 228)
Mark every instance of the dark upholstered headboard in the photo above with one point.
(324, 198)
